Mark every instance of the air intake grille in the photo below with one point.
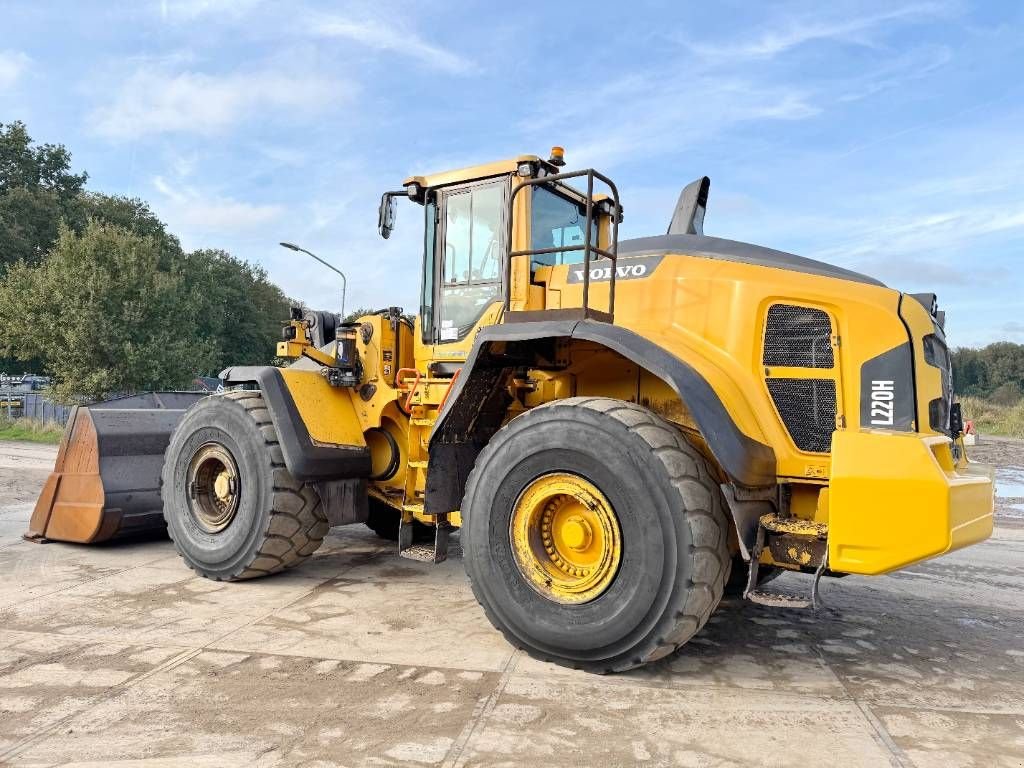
(798, 337)
(808, 409)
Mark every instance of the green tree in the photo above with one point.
(358, 312)
(1005, 363)
(998, 367)
(969, 374)
(37, 191)
(355, 314)
(108, 311)
(128, 213)
(240, 312)
(102, 270)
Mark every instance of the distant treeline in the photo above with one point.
(97, 293)
(995, 372)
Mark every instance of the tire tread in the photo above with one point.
(293, 503)
(689, 473)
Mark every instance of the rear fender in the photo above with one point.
(478, 403)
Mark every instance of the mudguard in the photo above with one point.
(306, 459)
(476, 406)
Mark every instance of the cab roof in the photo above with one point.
(475, 172)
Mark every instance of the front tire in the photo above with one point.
(616, 477)
(232, 508)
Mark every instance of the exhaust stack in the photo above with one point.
(688, 217)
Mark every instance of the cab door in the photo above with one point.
(465, 247)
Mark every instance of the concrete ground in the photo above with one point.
(118, 655)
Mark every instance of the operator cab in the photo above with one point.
(504, 224)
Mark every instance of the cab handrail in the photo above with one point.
(589, 248)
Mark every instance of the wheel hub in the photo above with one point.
(213, 487)
(577, 534)
(565, 538)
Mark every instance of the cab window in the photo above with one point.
(470, 274)
(557, 221)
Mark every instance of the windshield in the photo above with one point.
(556, 221)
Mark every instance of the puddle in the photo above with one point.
(1010, 482)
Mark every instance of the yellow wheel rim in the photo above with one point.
(565, 538)
(213, 489)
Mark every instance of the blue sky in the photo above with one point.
(886, 137)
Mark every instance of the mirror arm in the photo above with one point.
(385, 214)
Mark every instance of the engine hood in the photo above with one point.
(743, 253)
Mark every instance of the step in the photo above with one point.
(418, 464)
(437, 552)
(413, 508)
(794, 526)
(423, 553)
(776, 600)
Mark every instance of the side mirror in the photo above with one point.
(386, 215)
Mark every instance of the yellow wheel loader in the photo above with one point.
(620, 432)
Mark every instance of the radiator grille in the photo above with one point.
(798, 337)
(808, 409)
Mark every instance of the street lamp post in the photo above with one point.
(344, 280)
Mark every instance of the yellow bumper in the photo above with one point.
(896, 498)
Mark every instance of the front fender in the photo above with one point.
(344, 456)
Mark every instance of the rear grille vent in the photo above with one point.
(808, 409)
(798, 337)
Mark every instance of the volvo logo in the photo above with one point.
(625, 269)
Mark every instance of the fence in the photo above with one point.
(17, 403)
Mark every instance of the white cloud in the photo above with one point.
(730, 84)
(190, 10)
(381, 36)
(665, 117)
(189, 210)
(938, 218)
(12, 66)
(774, 42)
(281, 155)
(155, 101)
(916, 246)
(913, 65)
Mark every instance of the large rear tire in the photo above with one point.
(232, 508)
(630, 555)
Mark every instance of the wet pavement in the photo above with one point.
(119, 655)
(1010, 490)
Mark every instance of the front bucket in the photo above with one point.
(106, 480)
